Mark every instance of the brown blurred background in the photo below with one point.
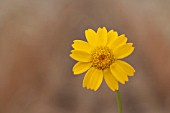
(35, 68)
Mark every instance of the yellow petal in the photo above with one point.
(118, 73)
(123, 51)
(110, 80)
(82, 45)
(119, 42)
(111, 37)
(91, 37)
(88, 75)
(102, 36)
(81, 67)
(96, 79)
(93, 79)
(126, 67)
(130, 44)
(80, 56)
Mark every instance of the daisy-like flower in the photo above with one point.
(100, 57)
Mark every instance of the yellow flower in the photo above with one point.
(100, 57)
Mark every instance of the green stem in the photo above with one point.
(119, 101)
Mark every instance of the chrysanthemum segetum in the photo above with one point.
(100, 57)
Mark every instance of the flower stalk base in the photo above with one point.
(119, 101)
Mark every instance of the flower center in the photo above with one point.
(102, 58)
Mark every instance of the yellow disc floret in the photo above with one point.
(102, 58)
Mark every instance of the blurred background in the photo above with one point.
(35, 43)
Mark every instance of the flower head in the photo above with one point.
(100, 57)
